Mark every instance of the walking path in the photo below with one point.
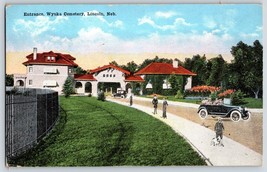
(232, 154)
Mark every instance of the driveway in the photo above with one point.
(183, 119)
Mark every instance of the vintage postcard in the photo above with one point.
(133, 85)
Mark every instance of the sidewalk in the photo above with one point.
(232, 154)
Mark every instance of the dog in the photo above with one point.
(216, 141)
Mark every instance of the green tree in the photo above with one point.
(198, 65)
(247, 68)
(130, 66)
(9, 80)
(68, 86)
(216, 71)
(176, 83)
(79, 70)
(114, 63)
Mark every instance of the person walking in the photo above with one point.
(155, 104)
(164, 108)
(219, 127)
(131, 100)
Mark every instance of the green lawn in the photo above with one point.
(96, 133)
(253, 103)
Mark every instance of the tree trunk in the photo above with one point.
(256, 93)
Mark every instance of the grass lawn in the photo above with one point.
(253, 103)
(96, 133)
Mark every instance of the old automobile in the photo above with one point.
(235, 113)
(120, 93)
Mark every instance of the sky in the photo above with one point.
(132, 29)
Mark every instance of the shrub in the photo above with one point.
(226, 94)
(213, 96)
(101, 96)
(179, 95)
(203, 90)
(68, 87)
(237, 98)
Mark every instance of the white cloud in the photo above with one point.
(39, 25)
(91, 40)
(258, 29)
(146, 20)
(249, 35)
(209, 22)
(117, 23)
(168, 14)
(181, 21)
(149, 21)
(216, 31)
(94, 39)
(227, 37)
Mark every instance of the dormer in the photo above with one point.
(50, 58)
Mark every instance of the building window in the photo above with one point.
(70, 70)
(30, 69)
(107, 75)
(30, 82)
(110, 75)
(104, 75)
(114, 75)
(48, 58)
(52, 58)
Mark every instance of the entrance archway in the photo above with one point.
(19, 83)
(88, 87)
(108, 86)
(78, 85)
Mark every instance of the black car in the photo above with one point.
(225, 111)
(120, 93)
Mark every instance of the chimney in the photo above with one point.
(34, 53)
(175, 63)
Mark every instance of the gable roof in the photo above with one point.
(84, 77)
(156, 68)
(134, 78)
(61, 59)
(109, 66)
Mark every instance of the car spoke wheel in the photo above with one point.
(203, 113)
(247, 117)
(235, 116)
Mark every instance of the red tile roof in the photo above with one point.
(60, 59)
(163, 69)
(84, 77)
(109, 66)
(133, 78)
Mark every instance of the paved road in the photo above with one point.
(232, 154)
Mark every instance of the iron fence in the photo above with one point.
(30, 115)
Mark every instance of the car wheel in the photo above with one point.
(235, 116)
(247, 117)
(203, 113)
(122, 96)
